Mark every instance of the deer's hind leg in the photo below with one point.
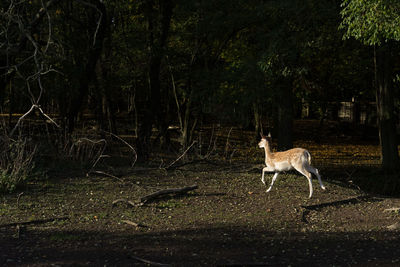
(307, 174)
(272, 182)
(315, 171)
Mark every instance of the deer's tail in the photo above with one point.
(308, 157)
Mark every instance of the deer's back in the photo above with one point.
(286, 160)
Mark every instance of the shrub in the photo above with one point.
(16, 161)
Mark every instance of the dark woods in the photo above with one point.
(141, 67)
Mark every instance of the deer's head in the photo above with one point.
(264, 140)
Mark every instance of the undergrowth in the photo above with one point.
(16, 161)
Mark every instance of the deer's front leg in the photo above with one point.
(265, 169)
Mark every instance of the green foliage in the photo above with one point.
(372, 22)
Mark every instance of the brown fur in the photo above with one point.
(295, 158)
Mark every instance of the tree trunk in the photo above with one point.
(285, 114)
(89, 69)
(384, 66)
(257, 121)
(158, 34)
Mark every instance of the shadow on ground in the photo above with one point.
(226, 245)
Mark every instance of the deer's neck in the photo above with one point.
(268, 153)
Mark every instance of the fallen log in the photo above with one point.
(163, 192)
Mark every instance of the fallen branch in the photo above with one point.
(392, 210)
(34, 222)
(128, 202)
(105, 174)
(167, 192)
(393, 227)
(149, 262)
(246, 264)
(134, 224)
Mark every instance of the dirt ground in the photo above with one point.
(228, 221)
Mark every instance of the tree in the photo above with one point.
(288, 32)
(377, 23)
(158, 16)
(22, 54)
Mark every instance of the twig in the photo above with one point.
(98, 22)
(126, 143)
(178, 106)
(246, 264)
(18, 198)
(181, 156)
(166, 192)
(395, 226)
(106, 174)
(35, 221)
(47, 117)
(100, 155)
(134, 224)
(128, 202)
(34, 106)
(149, 262)
(392, 210)
(20, 119)
(227, 142)
(186, 163)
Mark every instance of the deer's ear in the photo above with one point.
(269, 134)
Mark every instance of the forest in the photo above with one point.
(130, 129)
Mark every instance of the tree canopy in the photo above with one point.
(188, 63)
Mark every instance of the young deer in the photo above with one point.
(296, 158)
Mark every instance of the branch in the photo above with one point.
(395, 226)
(126, 143)
(20, 119)
(181, 156)
(128, 202)
(34, 106)
(167, 192)
(137, 225)
(106, 174)
(101, 18)
(100, 155)
(178, 106)
(149, 262)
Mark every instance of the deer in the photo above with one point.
(298, 159)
